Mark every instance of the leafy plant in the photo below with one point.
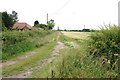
(15, 42)
(106, 43)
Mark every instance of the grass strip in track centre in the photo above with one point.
(30, 62)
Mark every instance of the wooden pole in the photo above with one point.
(84, 26)
(119, 15)
(47, 18)
(47, 21)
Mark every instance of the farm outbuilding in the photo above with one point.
(21, 26)
(37, 28)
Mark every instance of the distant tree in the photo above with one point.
(36, 22)
(6, 19)
(14, 16)
(51, 24)
(86, 30)
(43, 26)
(9, 19)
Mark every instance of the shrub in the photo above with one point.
(15, 42)
(106, 43)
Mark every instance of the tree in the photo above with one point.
(0, 18)
(9, 19)
(43, 26)
(14, 16)
(86, 30)
(51, 24)
(36, 22)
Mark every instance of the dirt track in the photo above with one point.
(46, 62)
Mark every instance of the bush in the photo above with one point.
(106, 43)
(14, 42)
(43, 26)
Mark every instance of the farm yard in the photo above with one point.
(61, 54)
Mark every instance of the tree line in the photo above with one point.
(49, 26)
(8, 20)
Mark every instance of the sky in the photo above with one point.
(67, 14)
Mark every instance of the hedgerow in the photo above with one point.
(106, 43)
(14, 42)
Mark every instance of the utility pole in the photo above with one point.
(47, 18)
(47, 21)
(84, 26)
(119, 15)
(58, 28)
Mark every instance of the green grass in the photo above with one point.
(71, 63)
(31, 62)
(15, 42)
(75, 63)
(42, 52)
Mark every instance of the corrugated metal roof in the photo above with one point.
(37, 28)
(21, 25)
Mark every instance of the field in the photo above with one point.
(61, 55)
(77, 35)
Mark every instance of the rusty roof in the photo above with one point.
(37, 28)
(21, 25)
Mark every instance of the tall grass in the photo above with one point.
(14, 42)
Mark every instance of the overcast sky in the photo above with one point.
(68, 14)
